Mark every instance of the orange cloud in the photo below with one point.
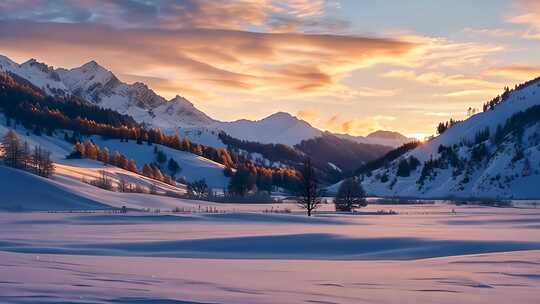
(519, 72)
(363, 126)
(437, 53)
(309, 114)
(208, 58)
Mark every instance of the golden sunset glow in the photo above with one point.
(320, 60)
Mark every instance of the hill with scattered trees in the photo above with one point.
(492, 154)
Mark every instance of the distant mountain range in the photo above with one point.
(101, 87)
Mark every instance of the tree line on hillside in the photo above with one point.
(489, 105)
(323, 151)
(25, 104)
(343, 153)
(90, 150)
(272, 152)
(251, 178)
(443, 126)
(17, 154)
(29, 106)
(387, 158)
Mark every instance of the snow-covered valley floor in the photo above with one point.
(424, 254)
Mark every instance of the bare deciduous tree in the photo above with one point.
(309, 196)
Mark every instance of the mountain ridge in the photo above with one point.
(100, 86)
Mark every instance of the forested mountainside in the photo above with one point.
(492, 154)
(26, 105)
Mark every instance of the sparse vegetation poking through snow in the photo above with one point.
(103, 181)
(350, 195)
(443, 126)
(198, 190)
(490, 105)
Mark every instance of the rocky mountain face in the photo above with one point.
(100, 86)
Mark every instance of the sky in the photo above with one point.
(347, 66)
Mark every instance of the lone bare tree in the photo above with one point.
(350, 195)
(309, 196)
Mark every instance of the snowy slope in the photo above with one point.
(511, 169)
(46, 194)
(194, 167)
(66, 191)
(277, 128)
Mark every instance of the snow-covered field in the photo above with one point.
(425, 254)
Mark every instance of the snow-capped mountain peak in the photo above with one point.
(36, 64)
(100, 86)
(280, 127)
(39, 74)
(282, 116)
(84, 80)
(383, 134)
(181, 100)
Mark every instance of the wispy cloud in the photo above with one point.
(227, 59)
(529, 15)
(478, 92)
(339, 124)
(518, 72)
(174, 14)
(442, 79)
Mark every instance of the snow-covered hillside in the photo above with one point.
(101, 87)
(280, 128)
(67, 189)
(478, 157)
(193, 167)
(45, 194)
